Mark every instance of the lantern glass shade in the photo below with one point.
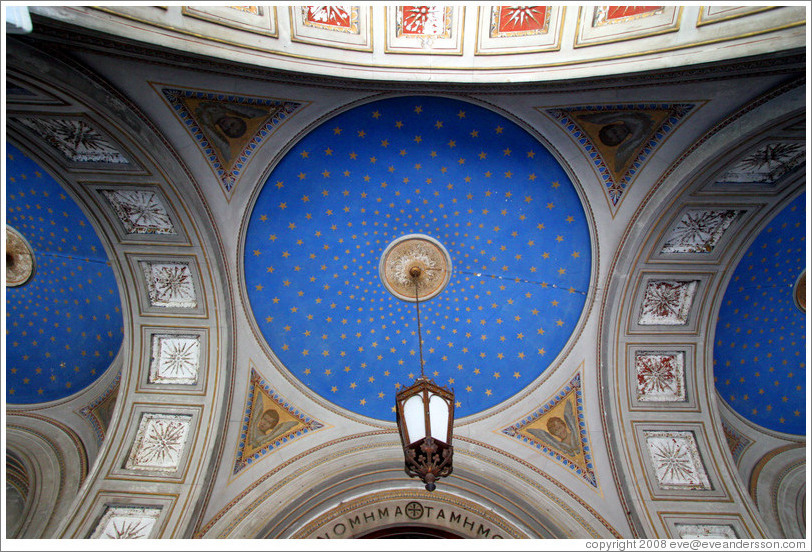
(415, 418)
(425, 416)
(438, 413)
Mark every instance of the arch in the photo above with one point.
(363, 464)
(636, 428)
(54, 463)
(192, 246)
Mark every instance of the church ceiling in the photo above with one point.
(64, 325)
(247, 215)
(476, 182)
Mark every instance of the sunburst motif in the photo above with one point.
(179, 357)
(766, 164)
(655, 375)
(676, 460)
(132, 529)
(667, 302)
(423, 19)
(76, 139)
(330, 15)
(140, 211)
(673, 461)
(161, 442)
(170, 285)
(770, 156)
(663, 300)
(175, 359)
(518, 16)
(127, 522)
(699, 231)
(172, 281)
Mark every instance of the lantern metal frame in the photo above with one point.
(428, 458)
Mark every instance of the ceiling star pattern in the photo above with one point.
(759, 352)
(461, 174)
(64, 327)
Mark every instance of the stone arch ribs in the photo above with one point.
(55, 465)
(153, 470)
(669, 448)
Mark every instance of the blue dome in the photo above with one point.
(483, 187)
(63, 327)
(760, 349)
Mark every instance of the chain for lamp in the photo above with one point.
(431, 459)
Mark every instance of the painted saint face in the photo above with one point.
(231, 126)
(558, 428)
(614, 134)
(268, 421)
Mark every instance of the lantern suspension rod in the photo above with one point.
(415, 273)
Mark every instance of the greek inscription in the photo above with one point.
(413, 510)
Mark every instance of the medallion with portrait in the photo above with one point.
(228, 126)
(268, 423)
(558, 430)
(620, 135)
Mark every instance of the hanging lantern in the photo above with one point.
(425, 414)
(418, 266)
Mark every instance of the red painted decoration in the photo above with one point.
(522, 18)
(333, 16)
(619, 12)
